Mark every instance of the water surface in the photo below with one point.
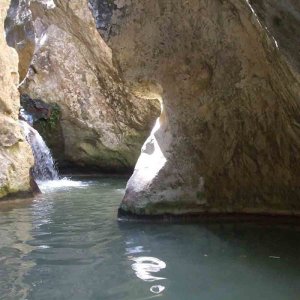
(67, 244)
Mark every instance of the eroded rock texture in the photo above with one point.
(15, 154)
(228, 139)
(102, 124)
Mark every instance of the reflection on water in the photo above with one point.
(15, 230)
(135, 249)
(66, 244)
(144, 266)
(157, 289)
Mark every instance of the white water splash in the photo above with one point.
(26, 117)
(44, 167)
(64, 183)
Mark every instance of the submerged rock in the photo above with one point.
(228, 137)
(15, 154)
(102, 124)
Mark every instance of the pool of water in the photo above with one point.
(67, 244)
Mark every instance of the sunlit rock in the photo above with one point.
(231, 98)
(15, 154)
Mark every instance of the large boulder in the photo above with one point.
(15, 154)
(228, 139)
(101, 124)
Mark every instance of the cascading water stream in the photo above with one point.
(44, 171)
(44, 167)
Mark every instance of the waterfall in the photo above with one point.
(44, 167)
(26, 117)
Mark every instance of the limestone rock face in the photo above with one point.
(102, 124)
(15, 154)
(228, 139)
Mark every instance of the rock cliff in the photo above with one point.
(226, 73)
(15, 154)
(228, 137)
(101, 124)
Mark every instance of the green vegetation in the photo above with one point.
(52, 122)
(54, 117)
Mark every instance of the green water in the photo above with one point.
(67, 244)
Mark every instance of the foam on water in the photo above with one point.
(64, 183)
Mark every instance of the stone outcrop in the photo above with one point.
(102, 125)
(15, 154)
(228, 139)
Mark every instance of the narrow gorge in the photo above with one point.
(149, 148)
(95, 76)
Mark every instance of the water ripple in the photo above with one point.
(67, 244)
